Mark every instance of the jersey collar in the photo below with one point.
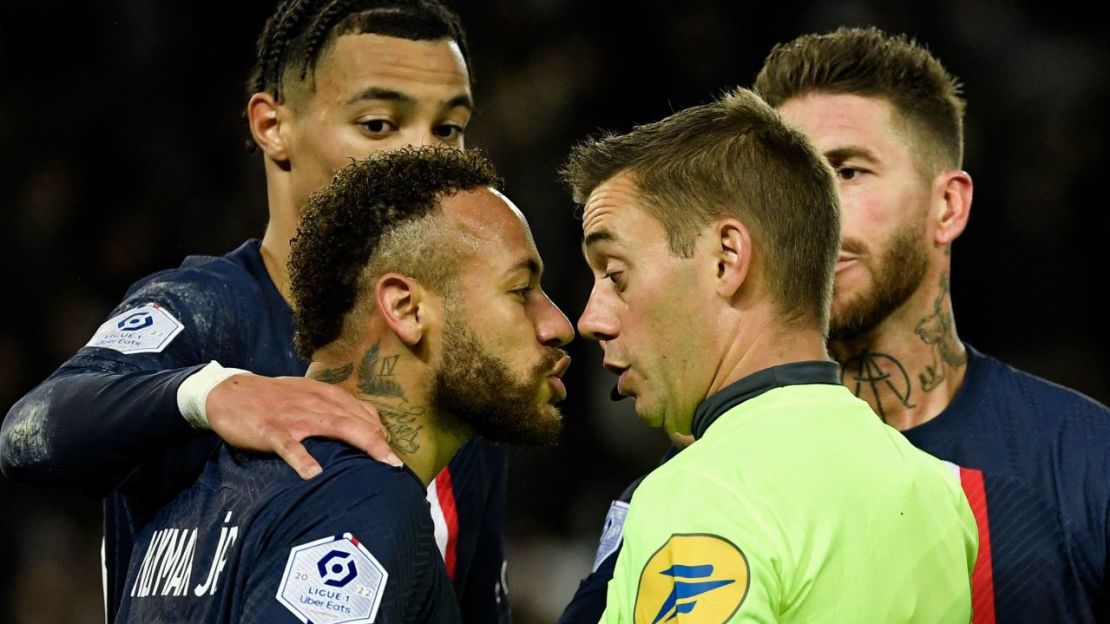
(751, 386)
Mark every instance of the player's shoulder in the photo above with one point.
(203, 281)
(205, 300)
(353, 480)
(1013, 390)
(378, 508)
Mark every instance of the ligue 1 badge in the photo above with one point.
(147, 329)
(333, 580)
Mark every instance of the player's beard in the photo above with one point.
(896, 275)
(479, 390)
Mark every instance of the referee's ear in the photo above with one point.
(733, 255)
(402, 303)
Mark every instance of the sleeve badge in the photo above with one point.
(147, 329)
(333, 580)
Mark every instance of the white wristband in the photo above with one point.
(192, 394)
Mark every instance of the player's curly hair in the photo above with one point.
(870, 62)
(376, 216)
(298, 32)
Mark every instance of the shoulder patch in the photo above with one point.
(696, 577)
(333, 580)
(612, 533)
(147, 329)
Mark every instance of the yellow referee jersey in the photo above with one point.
(795, 504)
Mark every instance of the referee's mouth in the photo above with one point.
(615, 394)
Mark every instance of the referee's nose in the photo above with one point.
(598, 321)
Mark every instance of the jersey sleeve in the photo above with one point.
(113, 404)
(588, 602)
(337, 556)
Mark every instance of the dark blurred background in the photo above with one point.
(121, 152)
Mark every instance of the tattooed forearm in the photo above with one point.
(334, 375)
(401, 422)
(936, 330)
(875, 376)
(375, 374)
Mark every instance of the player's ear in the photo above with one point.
(402, 303)
(732, 246)
(266, 118)
(952, 205)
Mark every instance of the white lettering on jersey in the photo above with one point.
(167, 564)
(219, 560)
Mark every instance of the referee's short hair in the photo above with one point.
(731, 158)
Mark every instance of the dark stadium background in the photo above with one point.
(121, 151)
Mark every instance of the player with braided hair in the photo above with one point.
(134, 414)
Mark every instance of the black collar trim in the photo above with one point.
(813, 372)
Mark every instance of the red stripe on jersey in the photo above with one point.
(982, 578)
(445, 492)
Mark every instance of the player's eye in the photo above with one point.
(378, 127)
(523, 293)
(449, 133)
(849, 173)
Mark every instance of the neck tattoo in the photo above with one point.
(871, 376)
(376, 378)
(936, 331)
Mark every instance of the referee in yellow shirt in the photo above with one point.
(713, 237)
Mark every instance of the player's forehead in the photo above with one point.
(499, 231)
(846, 123)
(432, 71)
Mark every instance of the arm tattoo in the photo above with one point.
(334, 375)
(401, 422)
(375, 375)
(936, 331)
(875, 375)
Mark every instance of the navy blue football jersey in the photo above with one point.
(251, 541)
(1034, 461)
(1053, 441)
(118, 395)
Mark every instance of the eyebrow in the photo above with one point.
(841, 154)
(390, 95)
(533, 266)
(595, 237)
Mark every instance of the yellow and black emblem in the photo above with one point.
(692, 579)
